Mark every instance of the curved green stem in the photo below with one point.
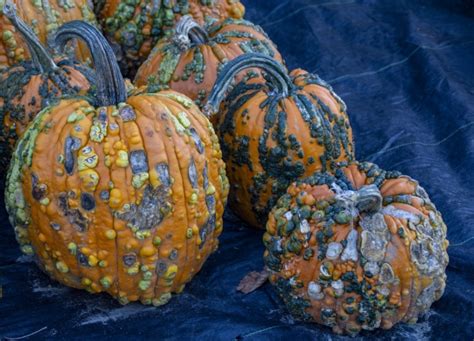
(41, 58)
(110, 84)
(279, 79)
(189, 32)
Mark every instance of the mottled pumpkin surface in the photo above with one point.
(135, 26)
(44, 17)
(29, 86)
(269, 138)
(123, 199)
(363, 249)
(179, 63)
(24, 91)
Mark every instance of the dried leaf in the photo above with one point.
(252, 281)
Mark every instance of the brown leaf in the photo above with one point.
(252, 281)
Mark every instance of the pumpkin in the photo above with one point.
(44, 17)
(274, 131)
(189, 60)
(29, 86)
(115, 194)
(362, 249)
(135, 26)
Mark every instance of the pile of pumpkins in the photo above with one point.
(120, 187)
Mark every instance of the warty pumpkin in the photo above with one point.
(135, 26)
(44, 17)
(274, 131)
(363, 249)
(115, 194)
(189, 60)
(29, 86)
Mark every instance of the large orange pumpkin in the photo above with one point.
(116, 194)
(44, 17)
(136, 25)
(275, 131)
(29, 86)
(189, 60)
(363, 249)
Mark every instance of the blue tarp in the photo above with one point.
(405, 68)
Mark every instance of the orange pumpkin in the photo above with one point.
(29, 86)
(274, 131)
(136, 25)
(44, 17)
(189, 60)
(115, 194)
(363, 249)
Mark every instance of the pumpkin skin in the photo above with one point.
(275, 131)
(189, 60)
(128, 199)
(135, 26)
(44, 20)
(29, 86)
(363, 249)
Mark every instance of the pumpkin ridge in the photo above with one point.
(167, 68)
(21, 216)
(55, 182)
(182, 103)
(324, 121)
(186, 192)
(325, 135)
(143, 146)
(186, 176)
(341, 135)
(195, 67)
(257, 180)
(30, 214)
(93, 230)
(173, 156)
(264, 153)
(35, 216)
(404, 253)
(131, 278)
(104, 223)
(208, 240)
(89, 233)
(157, 290)
(237, 102)
(114, 230)
(116, 239)
(130, 198)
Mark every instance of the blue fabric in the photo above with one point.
(406, 71)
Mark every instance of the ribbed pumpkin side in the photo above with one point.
(118, 195)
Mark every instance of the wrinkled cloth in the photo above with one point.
(405, 69)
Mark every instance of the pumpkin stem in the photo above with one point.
(279, 79)
(111, 88)
(42, 60)
(369, 199)
(188, 33)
